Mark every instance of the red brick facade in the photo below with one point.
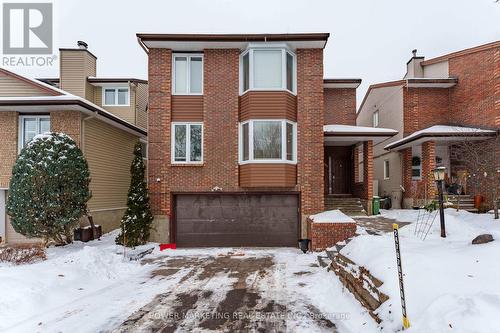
(220, 139)
(424, 107)
(325, 235)
(364, 189)
(340, 106)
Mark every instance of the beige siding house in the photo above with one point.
(73, 104)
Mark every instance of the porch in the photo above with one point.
(348, 162)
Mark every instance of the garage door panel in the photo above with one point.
(236, 220)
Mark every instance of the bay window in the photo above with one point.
(31, 126)
(268, 141)
(188, 74)
(187, 143)
(268, 69)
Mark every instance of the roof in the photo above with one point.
(98, 80)
(445, 82)
(461, 53)
(197, 42)
(349, 130)
(40, 85)
(438, 132)
(66, 102)
(341, 83)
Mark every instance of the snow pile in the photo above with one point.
(450, 284)
(331, 216)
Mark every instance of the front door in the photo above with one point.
(338, 170)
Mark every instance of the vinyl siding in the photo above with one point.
(13, 87)
(268, 175)
(187, 108)
(268, 105)
(141, 102)
(126, 113)
(76, 66)
(109, 153)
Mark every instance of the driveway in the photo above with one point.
(275, 290)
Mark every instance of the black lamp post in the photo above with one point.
(439, 177)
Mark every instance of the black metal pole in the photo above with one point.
(441, 208)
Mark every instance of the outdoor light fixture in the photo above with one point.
(439, 173)
(439, 177)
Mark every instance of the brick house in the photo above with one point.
(243, 133)
(105, 116)
(439, 104)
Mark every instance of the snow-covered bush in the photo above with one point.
(136, 223)
(49, 188)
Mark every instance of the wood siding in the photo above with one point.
(109, 153)
(125, 112)
(268, 105)
(12, 87)
(187, 108)
(268, 175)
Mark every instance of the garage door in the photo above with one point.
(236, 220)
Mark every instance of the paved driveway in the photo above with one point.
(242, 291)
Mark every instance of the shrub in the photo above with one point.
(136, 222)
(22, 254)
(49, 188)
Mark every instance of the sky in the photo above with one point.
(371, 40)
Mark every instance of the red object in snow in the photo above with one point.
(167, 246)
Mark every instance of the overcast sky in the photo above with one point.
(371, 40)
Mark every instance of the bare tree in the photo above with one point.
(483, 166)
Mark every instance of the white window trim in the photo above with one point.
(188, 79)
(386, 163)
(116, 96)
(188, 143)
(284, 50)
(251, 159)
(376, 116)
(20, 141)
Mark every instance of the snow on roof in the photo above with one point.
(331, 216)
(441, 130)
(349, 129)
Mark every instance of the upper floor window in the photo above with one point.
(268, 69)
(116, 96)
(375, 118)
(31, 126)
(187, 143)
(268, 141)
(188, 74)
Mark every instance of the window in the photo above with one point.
(268, 69)
(115, 96)
(386, 169)
(416, 168)
(375, 119)
(187, 143)
(31, 126)
(188, 74)
(268, 141)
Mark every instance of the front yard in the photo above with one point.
(451, 286)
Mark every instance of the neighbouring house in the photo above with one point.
(105, 116)
(246, 139)
(437, 106)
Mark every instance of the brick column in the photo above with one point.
(428, 164)
(159, 114)
(368, 174)
(8, 148)
(67, 122)
(407, 172)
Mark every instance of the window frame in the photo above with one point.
(376, 116)
(20, 141)
(188, 73)
(283, 159)
(284, 51)
(387, 169)
(115, 88)
(416, 167)
(188, 143)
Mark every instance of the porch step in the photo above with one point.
(347, 205)
(465, 202)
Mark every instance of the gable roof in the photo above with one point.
(46, 88)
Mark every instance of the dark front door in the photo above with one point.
(234, 219)
(337, 170)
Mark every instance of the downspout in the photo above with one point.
(143, 46)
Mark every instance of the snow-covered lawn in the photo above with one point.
(450, 284)
(92, 288)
